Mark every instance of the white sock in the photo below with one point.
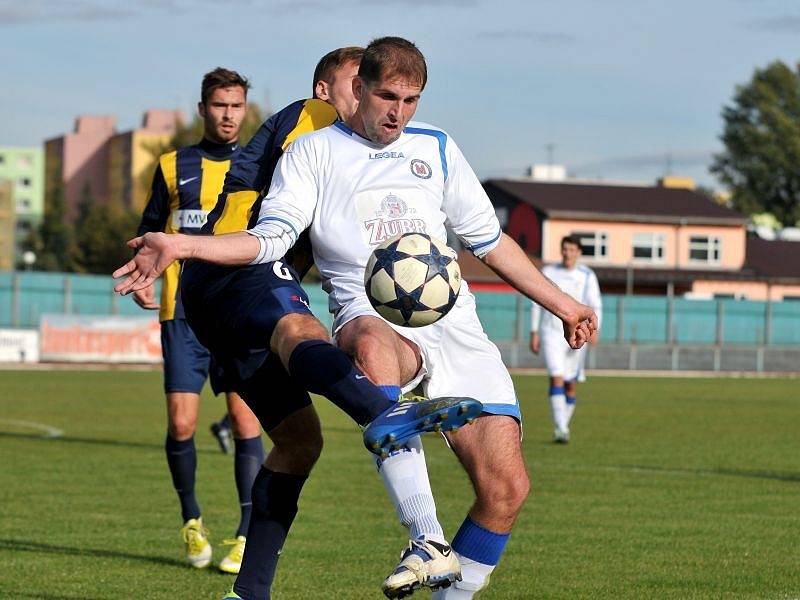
(558, 404)
(405, 476)
(569, 410)
(474, 577)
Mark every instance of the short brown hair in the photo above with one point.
(221, 78)
(571, 239)
(334, 59)
(395, 57)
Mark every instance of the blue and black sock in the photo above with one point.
(275, 497)
(324, 369)
(182, 461)
(246, 462)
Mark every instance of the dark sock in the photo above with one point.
(324, 369)
(246, 463)
(275, 498)
(182, 461)
(225, 421)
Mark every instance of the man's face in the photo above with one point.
(339, 91)
(223, 113)
(384, 108)
(569, 254)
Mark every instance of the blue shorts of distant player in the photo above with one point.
(187, 363)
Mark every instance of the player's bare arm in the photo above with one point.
(156, 251)
(535, 342)
(509, 261)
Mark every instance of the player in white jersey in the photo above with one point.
(565, 364)
(353, 185)
(373, 177)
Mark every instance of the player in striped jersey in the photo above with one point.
(185, 187)
(564, 364)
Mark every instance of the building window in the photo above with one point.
(594, 244)
(2, 159)
(648, 247)
(705, 249)
(24, 182)
(24, 204)
(24, 162)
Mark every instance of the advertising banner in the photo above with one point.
(19, 345)
(110, 339)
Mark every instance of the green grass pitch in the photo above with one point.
(671, 488)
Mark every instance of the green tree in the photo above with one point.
(53, 241)
(761, 161)
(98, 231)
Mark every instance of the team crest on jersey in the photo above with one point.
(393, 207)
(421, 169)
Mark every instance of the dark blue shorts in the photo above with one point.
(187, 363)
(234, 311)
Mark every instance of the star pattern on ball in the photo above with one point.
(412, 287)
(387, 257)
(437, 263)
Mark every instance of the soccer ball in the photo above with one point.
(412, 280)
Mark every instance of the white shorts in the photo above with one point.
(561, 360)
(458, 359)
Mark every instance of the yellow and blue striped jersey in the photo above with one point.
(250, 176)
(186, 186)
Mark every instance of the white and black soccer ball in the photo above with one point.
(412, 280)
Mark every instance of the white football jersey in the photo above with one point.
(354, 195)
(580, 283)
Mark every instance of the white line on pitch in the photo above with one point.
(47, 430)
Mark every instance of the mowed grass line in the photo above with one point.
(671, 488)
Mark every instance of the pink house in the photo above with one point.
(648, 239)
(79, 160)
(110, 165)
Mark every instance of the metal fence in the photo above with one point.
(662, 320)
(638, 332)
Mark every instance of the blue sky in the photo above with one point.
(620, 87)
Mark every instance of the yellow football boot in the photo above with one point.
(195, 536)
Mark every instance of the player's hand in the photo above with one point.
(156, 251)
(579, 326)
(535, 343)
(146, 298)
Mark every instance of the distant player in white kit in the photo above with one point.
(564, 364)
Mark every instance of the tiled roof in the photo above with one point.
(618, 202)
(773, 259)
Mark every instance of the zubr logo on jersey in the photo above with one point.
(393, 218)
(421, 169)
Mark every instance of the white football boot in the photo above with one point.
(423, 563)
